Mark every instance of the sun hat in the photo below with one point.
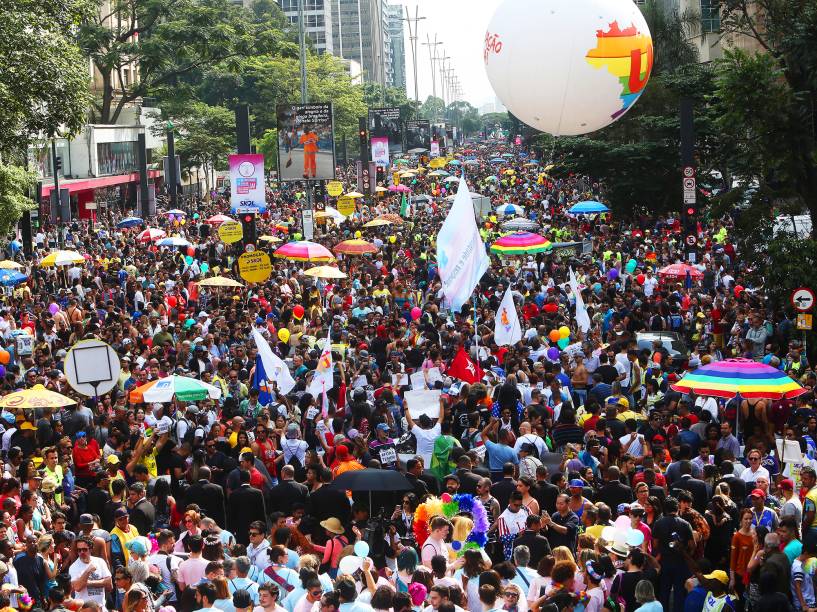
(333, 525)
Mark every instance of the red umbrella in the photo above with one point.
(218, 219)
(680, 271)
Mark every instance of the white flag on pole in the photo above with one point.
(582, 318)
(323, 380)
(507, 328)
(274, 367)
(461, 253)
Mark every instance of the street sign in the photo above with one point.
(802, 299)
(689, 171)
(308, 218)
(334, 188)
(689, 183)
(804, 321)
(691, 240)
(230, 231)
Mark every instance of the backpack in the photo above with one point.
(676, 323)
(189, 436)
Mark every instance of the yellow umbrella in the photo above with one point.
(549, 167)
(325, 272)
(354, 194)
(377, 223)
(219, 281)
(380, 189)
(322, 214)
(62, 258)
(36, 397)
(7, 264)
(270, 239)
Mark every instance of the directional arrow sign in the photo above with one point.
(802, 299)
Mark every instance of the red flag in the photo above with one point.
(465, 368)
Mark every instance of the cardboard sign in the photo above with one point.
(346, 206)
(334, 188)
(255, 266)
(230, 232)
(424, 402)
(419, 380)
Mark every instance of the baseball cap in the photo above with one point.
(623, 401)
(27, 426)
(382, 427)
(758, 493)
(353, 433)
(112, 460)
(786, 483)
(576, 482)
(718, 575)
(120, 512)
(658, 438)
(80, 434)
(694, 362)
(86, 519)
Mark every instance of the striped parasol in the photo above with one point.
(151, 233)
(521, 243)
(744, 377)
(218, 219)
(304, 250)
(679, 271)
(184, 388)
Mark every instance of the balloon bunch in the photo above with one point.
(467, 534)
(560, 337)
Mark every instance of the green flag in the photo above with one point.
(404, 206)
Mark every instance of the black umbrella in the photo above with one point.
(371, 480)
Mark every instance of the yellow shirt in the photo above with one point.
(124, 538)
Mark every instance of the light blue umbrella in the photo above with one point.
(497, 160)
(455, 162)
(174, 241)
(588, 208)
(9, 278)
(130, 222)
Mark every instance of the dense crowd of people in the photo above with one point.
(603, 487)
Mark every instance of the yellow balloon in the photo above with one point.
(392, 239)
(564, 332)
(283, 335)
(358, 234)
(183, 221)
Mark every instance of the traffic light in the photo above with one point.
(363, 135)
(58, 163)
(248, 228)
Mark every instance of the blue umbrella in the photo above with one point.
(497, 160)
(587, 208)
(455, 162)
(130, 222)
(510, 209)
(9, 278)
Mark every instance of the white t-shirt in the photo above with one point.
(95, 594)
(425, 441)
(649, 286)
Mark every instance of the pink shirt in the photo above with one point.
(191, 571)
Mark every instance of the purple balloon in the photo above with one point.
(612, 274)
(53, 309)
(2, 371)
(553, 353)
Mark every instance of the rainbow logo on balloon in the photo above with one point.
(626, 54)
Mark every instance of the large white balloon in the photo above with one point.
(568, 67)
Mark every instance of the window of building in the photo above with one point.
(116, 157)
(315, 21)
(710, 16)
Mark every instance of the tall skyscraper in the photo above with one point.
(317, 21)
(394, 25)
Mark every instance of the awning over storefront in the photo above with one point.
(75, 185)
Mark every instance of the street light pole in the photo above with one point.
(442, 77)
(413, 35)
(432, 57)
(304, 91)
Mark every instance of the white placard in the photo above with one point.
(399, 380)
(25, 344)
(419, 380)
(360, 381)
(788, 451)
(424, 402)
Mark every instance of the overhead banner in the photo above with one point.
(418, 135)
(385, 123)
(380, 151)
(248, 188)
(306, 142)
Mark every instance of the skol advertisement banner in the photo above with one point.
(306, 142)
(247, 185)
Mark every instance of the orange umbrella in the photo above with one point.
(355, 247)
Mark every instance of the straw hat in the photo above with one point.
(333, 525)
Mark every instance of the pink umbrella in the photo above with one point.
(400, 188)
(304, 250)
(151, 233)
(218, 219)
(679, 271)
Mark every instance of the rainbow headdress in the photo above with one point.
(467, 533)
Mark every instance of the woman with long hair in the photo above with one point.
(164, 503)
(190, 522)
(524, 486)
(653, 511)
(472, 564)
(741, 551)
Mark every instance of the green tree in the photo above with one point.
(166, 41)
(432, 109)
(783, 151)
(43, 76)
(15, 186)
(206, 135)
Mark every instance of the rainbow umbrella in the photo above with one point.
(355, 247)
(304, 250)
(744, 377)
(184, 388)
(151, 233)
(521, 243)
